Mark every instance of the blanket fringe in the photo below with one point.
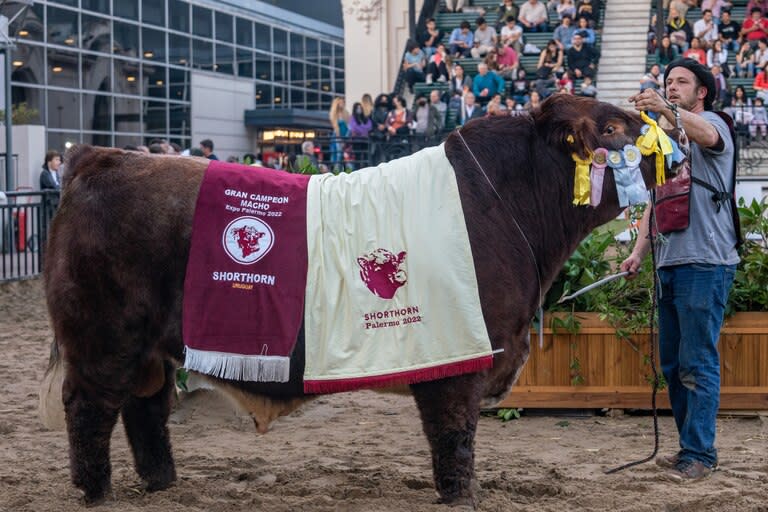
(399, 378)
(238, 367)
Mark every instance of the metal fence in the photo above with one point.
(25, 218)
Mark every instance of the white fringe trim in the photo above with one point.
(238, 367)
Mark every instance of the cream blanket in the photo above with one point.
(391, 288)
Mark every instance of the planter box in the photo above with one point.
(614, 373)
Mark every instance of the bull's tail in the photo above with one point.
(51, 405)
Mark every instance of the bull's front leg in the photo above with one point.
(449, 411)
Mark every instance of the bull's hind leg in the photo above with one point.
(449, 411)
(145, 420)
(90, 421)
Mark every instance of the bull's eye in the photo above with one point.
(609, 130)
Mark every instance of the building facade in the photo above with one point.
(120, 72)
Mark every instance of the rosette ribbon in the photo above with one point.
(655, 140)
(630, 186)
(581, 180)
(596, 177)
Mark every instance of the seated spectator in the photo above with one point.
(761, 54)
(721, 88)
(695, 52)
(534, 102)
(430, 37)
(426, 118)
(461, 40)
(521, 88)
(679, 30)
(745, 61)
(586, 33)
(485, 38)
(512, 35)
(486, 83)
(716, 6)
(718, 56)
(653, 79)
(588, 88)
(564, 33)
(360, 125)
(587, 9)
(508, 62)
(761, 85)
(454, 5)
(436, 101)
(759, 120)
(414, 64)
(739, 98)
(666, 53)
(469, 109)
(762, 5)
(706, 30)
(495, 107)
(682, 6)
(381, 108)
(492, 61)
(566, 8)
(564, 84)
(729, 32)
(512, 106)
(533, 16)
(459, 84)
(399, 118)
(582, 59)
(506, 9)
(439, 63)
(755, 27)
(550, 61)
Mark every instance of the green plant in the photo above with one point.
(182, 376)
(750, 286)
(508, 414)
(21, 113)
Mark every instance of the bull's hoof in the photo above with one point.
(468, 503)
(159, 485)
(94, 499)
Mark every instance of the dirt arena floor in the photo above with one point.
(357, 452)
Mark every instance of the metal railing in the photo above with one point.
(25, 218)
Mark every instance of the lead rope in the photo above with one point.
(522, 233)
(685, 148)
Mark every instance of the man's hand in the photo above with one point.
(649, 101)
(631, 265)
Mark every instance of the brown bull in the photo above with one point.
(121, 239)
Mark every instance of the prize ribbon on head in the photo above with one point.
(596, 177)
(581, 180)
(630, 186)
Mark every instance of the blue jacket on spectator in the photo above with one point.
(491, 81)
(457, 36)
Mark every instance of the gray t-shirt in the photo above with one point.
(710, 237)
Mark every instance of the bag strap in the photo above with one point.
(721, 196)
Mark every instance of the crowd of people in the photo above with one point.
(732, 49)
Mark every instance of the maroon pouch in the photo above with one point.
(672, 210)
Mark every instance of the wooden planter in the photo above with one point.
(594, 369)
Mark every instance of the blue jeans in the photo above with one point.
(692, 302)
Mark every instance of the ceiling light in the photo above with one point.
(18, 63)
(57, 69)
(69, 40)
(131, 78)
(159, 82)
(23, 33)
(149, 54)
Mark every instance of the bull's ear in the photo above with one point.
(401, 257)
(566, 123)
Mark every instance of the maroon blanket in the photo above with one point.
(248, 260)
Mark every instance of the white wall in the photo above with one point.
(29, 143)
(219, 104)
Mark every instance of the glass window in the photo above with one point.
(263, 95)
(125, 78)
(154, 81)
(127, 115)
(101, 6)
(178, 15)
(154, 45)
(98, 72)
(263, 66)
(127, 9)
(262, 37)
(202, 54)
(325, 53)
(338, 52)
(155, 117)
(62, 27)
(98, 139)
(126, 37)
(61, 141)
(29, 26)
(178, 48)
(122, 141)
(95, 35)
(244, 62)
(224, 59)
(34, 98)
(224, 27)
(244, 31)
(28, 64)
(280, 38)
(297, 46)
(152, 11)
(279, 71)
(63, 68)
(313, 76)
(313, 100)
(180, 122)
(97, 112)
(297, 73)
(279, 98)
(64, 110)
(325, 79)
(72, 3)
(312, 49)
(297, 98)
(179, 87)
(201, 21)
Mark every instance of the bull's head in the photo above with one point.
(382, 273)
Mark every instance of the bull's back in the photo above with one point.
(117, 252)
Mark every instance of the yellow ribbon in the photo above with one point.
(655, 140)
(581, 189)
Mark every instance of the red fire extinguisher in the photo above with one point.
(20, 229)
